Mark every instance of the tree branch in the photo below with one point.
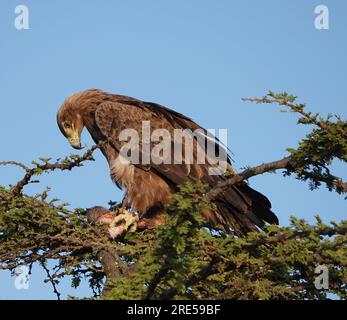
(62, 165)
(248, 173)
(18, 164)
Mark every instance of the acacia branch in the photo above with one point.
(248, 173)
(298, 108)
(284, 163)
(61, 165)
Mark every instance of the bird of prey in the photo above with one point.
(149, 180)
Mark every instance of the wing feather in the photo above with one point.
(240, 206)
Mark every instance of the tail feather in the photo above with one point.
(242, 209)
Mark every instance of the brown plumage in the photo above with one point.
(148, 186)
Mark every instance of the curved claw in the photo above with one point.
(129, 219)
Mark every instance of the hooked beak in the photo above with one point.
(75, 141)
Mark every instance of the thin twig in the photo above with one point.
(50, 279)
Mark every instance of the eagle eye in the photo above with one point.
(67, 126)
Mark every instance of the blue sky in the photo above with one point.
(199, 57)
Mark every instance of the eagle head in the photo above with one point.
(70, 123)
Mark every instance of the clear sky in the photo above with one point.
(199, 57)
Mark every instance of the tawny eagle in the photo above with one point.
(148, 185)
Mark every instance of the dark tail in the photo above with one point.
(242, 209)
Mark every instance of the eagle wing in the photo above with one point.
(113, 118)
(240, 206)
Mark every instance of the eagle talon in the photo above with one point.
(122, 222)
(117, 222)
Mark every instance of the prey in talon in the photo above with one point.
(118, 222)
